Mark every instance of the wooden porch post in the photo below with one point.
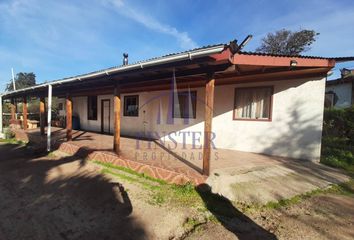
(42, 114)
(116, 140)
(69, 117)
(24, 111)
(209, 106)
(13, 114)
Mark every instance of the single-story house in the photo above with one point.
(209, 97)
(340, 92)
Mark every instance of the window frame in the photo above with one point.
(269, 119)
(332, 100)
(194, 105)
(88, 108)
(125, 105)
(60, 106)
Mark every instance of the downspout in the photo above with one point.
(49, 128)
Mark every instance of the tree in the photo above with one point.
(22, 80)
(286, 42)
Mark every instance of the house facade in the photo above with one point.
(290, 124)
(340, 92)
(214, 97)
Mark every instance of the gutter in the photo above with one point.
(139, 65)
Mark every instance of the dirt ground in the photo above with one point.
(327, 216)
(66, 198)
(52, 197)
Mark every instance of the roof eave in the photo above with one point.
(211, 51)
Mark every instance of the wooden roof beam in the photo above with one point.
(280, 61)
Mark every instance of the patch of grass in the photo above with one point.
(51, 154)
(13, 141)
(130, 171)
(158, 198)
(191, 222)
(336, 154)
(172, 193)
(161, 192)
(193, 225)
(130, 179)
(183, 194)
(346, 188)
(342, 189)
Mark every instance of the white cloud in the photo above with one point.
(148, 21)
(47, 36)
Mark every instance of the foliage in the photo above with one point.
(286, 42)
(9, 134)
(22, 80)
(338, 138)
(13, 141)
(346, 188)
(128, 170)
(161, 192)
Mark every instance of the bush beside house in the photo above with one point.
(338, 138)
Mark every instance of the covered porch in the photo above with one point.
(239, 176)
(180, 165)
(205, 68)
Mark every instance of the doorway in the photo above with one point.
(105, 116)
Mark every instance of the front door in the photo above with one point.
(105, 115)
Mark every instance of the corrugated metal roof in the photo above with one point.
(340, 81)
(140, 64)
(146, 60)
(168, 57)
(298, 56)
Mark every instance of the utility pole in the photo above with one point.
(13, 79)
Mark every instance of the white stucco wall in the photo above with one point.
(343, 92)
(295, 130)
(80, 110)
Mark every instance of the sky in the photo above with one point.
(57, 39)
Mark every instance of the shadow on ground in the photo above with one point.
(231, 218)
(45, 198)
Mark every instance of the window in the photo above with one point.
(184, 104)
(92, 107)
(329, 100)
(253, 103)
(60, 106)
(131, 106)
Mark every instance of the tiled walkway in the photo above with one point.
(179, 165)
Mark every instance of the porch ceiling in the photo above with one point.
(186, 76)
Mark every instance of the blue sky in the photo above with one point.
(56, 39)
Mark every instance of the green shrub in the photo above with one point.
(338, 138)
(9, 134)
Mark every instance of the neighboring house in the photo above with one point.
(252, 102)
(340, 92)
